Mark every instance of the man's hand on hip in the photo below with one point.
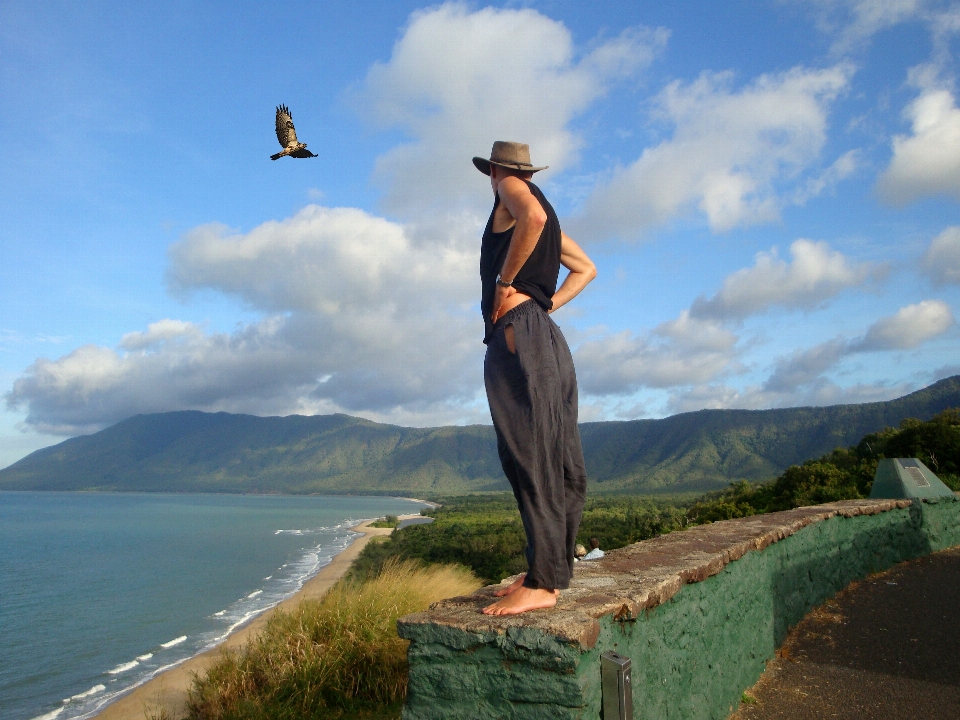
(499, 299)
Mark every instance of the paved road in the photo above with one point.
(887, 647)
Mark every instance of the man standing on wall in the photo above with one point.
(528, 372)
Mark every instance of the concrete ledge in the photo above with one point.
(699, 612)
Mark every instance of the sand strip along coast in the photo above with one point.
(168, 690)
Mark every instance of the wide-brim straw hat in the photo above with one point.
(513, 155)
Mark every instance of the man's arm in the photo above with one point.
(531, 219)
(582, 271)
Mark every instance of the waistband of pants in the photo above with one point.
(527, 307)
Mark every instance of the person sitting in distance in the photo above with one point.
(579, 552)
(595, 552)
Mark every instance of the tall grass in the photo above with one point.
(334, 657)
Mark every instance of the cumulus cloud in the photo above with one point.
(458, 80)
(331, 261)
(280, 365)
(682, 351)
(941, 261)
(360, 315)
(927, 162)
(94, 386)
(698, 347)
(908, 328)
(814, 274)
(800, 377)
(729, 152)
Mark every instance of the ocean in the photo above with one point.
(100, 591)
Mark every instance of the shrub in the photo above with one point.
(390, 521)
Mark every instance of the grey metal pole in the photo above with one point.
(616, 687)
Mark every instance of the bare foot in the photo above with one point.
(511, 587)
(522, 600)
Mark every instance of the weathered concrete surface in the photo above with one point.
(698, 611)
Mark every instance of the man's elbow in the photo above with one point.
(591, 271)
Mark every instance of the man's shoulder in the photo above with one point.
(515, 186)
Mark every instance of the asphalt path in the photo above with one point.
(886, 647)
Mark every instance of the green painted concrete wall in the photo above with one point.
(692, 656)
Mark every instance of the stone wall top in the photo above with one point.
(637, 577)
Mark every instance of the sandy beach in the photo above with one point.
(168, 690)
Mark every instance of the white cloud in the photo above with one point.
(159, 333)
(815, 274)
(855, 21)
(909, 327)
(805, 370)
(91, 387)
(729, 152)
(693, 355)
(871, 16)
(458, 80)
(927, 162)
(941, 261)
(683, 351)
(277, 366)
(331, 261)
(801, 377)
(804, 367)
(361, 315)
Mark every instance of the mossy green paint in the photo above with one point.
(692, 656)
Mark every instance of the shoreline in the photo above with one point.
(167, 690)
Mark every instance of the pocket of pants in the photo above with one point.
(510, 365)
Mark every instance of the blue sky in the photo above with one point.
(769, 190)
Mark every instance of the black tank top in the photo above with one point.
(538, 276)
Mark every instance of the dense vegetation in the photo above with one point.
(220, 452)
(337, 657)
(845, 473)
(484, 532)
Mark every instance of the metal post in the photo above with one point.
(616, 687)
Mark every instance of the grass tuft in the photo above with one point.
(339, 656)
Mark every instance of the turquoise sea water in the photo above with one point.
(100, 591)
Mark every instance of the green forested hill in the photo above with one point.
(219, 452)
(711, 448)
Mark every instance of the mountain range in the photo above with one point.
(190, 451)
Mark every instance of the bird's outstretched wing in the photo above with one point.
(286, 133)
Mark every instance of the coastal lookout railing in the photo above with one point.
(698, 612)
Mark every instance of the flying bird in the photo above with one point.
(287, 136)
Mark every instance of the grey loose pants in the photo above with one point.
(533, 400)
